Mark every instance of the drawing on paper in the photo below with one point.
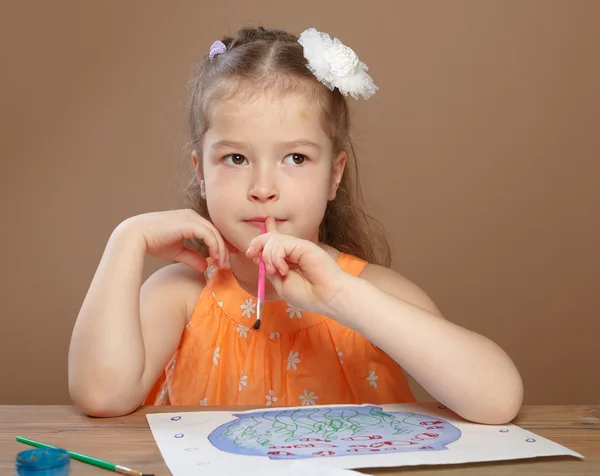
(331, 431)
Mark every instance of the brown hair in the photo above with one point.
(273, 60)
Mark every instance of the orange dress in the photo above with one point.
(295, 358)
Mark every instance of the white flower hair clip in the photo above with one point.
(336, 65)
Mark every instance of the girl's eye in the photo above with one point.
(296, 159)
(235, 159)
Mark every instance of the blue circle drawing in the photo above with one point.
(176, 418)
(179, 435)
(504, 430)
(336, 431)
(530, 440)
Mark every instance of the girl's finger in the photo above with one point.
(282, 266)
(256, 245)
(223, 251)
(266, 256)
(211, 239)
(270, 224)
(277, 282)
(208, 233)
(203, 233)
(278, 254)
(219, 243)
(192, 259)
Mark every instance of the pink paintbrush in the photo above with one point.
(261, 286)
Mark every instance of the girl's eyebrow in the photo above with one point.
(300, 143)
(231, 144)
(225, 143)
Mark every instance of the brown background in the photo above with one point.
(480, 156)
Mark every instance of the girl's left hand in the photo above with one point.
(302, 273)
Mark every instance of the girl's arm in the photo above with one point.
(462, 369)
(125, 332)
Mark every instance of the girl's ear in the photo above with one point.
(337, 172)
(199, 174)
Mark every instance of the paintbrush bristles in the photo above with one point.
(259, 309)
(130, 472)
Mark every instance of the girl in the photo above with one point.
(270, 132)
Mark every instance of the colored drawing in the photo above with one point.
(331, 431)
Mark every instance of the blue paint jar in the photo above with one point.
(42, 462)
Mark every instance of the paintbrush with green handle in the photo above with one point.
(87, 459)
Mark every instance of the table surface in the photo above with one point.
(128, 440)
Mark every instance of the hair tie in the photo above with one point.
(217, 48)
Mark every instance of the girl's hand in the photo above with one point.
(302, 273)
(163, 234)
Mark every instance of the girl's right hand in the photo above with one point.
(164, 233)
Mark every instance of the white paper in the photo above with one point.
(284, 440)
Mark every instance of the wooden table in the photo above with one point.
(128, 440)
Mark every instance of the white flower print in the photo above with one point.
(216, 356)
(271, 398)
(243, 381)
(272, 335)
(293, 311)
(173, 364)
(371, 378)
(308, 398)
(248, 308)
(204, 402)
(210, 271)
(242, 331)
(293, 360)
(164, 394)
(219, 302)
(340, 355)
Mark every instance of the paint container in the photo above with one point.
(42, 462)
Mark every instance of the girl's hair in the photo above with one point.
(271, 61)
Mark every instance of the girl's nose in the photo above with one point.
(263, 190)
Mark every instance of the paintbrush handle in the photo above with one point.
(261, 272)
(78, 456)
(261, 279)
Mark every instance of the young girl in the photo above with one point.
(270, 129)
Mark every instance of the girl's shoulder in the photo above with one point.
(399, 286)
(178, 282)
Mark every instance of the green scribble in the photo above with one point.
(290, 428)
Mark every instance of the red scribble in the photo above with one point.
(324, 453)
(303, 445)
(363, 438)
(435, 422)
(363, 450)
(381, 444)
(405, 443)
(292, 446)
(280, 453)
(425, 436)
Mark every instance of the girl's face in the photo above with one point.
(268, 157)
